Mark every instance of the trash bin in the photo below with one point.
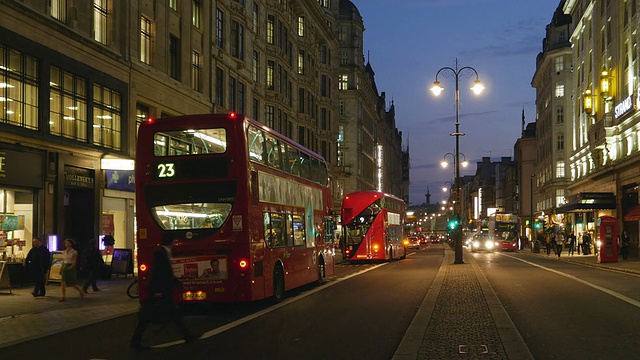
(536, 246)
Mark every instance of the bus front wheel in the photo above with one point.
(278, 284)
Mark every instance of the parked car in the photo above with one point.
(507, 245)
(482, 242)
(414, 242)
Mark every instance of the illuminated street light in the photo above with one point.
(437, 89)
(444, 162)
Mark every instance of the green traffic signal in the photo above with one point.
(453, 224)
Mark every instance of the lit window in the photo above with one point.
(67, 105)
(145, 40)
(107, 123)
(100, 21)
(343, 81)
(559, 90)
(18, 89)
(59, 10)
(195, 13)
(300, 25)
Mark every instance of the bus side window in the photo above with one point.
(255, 142)
(274, 229)
(293, 161)
(305, 166)
(274, 160)
(298, 230)
(160, 145)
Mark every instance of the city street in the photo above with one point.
(562, 310)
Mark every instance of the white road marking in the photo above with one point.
(286, 302)
(624, 298)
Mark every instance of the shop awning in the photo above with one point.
(633, 215)
(584, 202)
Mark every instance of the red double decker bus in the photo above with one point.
(248, 207)
(373, 226)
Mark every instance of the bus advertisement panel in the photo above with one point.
(373, 225)
(249, 208)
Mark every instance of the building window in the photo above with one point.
(559, 90)
(559, 63)
(559, 115)
(323, 119)
(560, 142)
(59, 10)
(301, 100)
(219, 86)
(323, 85)
(270, 74)
(256, 109)
(256, 17)
(219, 28)
(68, 105)
(560, 169)
(237, 40)
(174, 57)
(107, 114)
(323, 54)
(142, 114)
(270, 28)
(173, 4)
(271, 113)
(100, 21)
(195, 71)
(300, 25)
(145, 40)
(344, 57)
(254, 66)
(324, 3)
(343, 80)
(232, 94)
(195, 13)
(18, 89)
(300, 62)
(241, 95)
(341, 107)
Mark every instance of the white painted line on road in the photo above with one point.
(286, 302)
(624, 298)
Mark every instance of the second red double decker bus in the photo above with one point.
(250, 209)
(373, 226)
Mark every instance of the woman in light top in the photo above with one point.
(68, 270)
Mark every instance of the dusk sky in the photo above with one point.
(408, 41)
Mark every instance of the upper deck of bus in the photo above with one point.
(354, 203)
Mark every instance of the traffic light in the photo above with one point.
(453, 223)
(537, 225)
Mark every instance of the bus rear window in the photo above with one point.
(190, 142)
(191, 215)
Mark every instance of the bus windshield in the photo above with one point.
(191, 215)
(358, 227)
(190, 142)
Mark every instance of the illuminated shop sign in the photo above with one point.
(624, 107)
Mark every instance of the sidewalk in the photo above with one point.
(24, 318)
(632, 265)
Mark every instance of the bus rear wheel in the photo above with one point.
(278, 284)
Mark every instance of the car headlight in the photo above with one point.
(489, 244)
(476, 244)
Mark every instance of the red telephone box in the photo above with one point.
(608, 236)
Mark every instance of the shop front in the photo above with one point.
(582, 211)
(21, 191)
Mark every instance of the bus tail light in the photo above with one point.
(143, 267)
(150, 120)
(232, 115)
(376, 247)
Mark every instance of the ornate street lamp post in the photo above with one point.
(477, 88)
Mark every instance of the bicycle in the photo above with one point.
(133, 290)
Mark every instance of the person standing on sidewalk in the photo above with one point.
(580, 244)
(38, 261)
(547, 241)
(624, 245)
(572, 243)
(161, 304)
(586, 243)
(92, 260)
(68, 271)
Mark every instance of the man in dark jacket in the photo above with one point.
(161, 285)
(38, 261)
